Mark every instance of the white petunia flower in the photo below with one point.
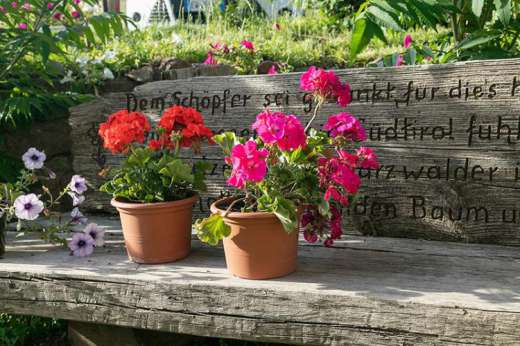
(34, 159)
(28, 207)
(107, 74)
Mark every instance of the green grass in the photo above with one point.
(300, 42)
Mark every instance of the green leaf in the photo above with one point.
(504, 11)
(364, 30)
(178, 171)
(474, 41)
(226, 141)
(199, 172)
(476, 7)
(384, 18)
(285, 211)
(212, 229)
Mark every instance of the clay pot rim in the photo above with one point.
(180, 203)
(239, 215)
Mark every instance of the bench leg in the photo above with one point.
(90, 334)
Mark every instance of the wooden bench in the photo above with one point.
(364, 291)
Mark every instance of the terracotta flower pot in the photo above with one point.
(258, 246)
(157, 232)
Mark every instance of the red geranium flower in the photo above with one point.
(122, 129)
(187, 123)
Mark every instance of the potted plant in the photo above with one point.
(287, 174)
(154, 190)
(28, 202)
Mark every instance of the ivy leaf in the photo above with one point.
(212, 229)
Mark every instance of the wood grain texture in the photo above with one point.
(477, 133)
(364, 291)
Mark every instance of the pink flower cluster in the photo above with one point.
(248, 164)
(337, 174)
(223, 48)
(346, 126)
(275, 128)
(313, 225)
(326, 85)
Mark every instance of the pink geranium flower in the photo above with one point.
(50, 6)
(219, 46)
(57, 16)
(367, 158)
(75, 14)
(249, 164)
(326, 85)
(286, 131)
(272, 70)
(345, 125)
(407, 41)
(270, 126)
(338, 178)
(248, 45)
(210, 60)
(294, 134)
(22, 26)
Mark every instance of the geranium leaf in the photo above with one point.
(212, 229)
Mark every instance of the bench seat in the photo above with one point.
(364, 291)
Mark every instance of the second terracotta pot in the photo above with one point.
(157, 232)
(258, 246)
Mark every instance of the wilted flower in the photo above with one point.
(28, 207)
(57, 16)
(78, 217)
(81, 245)
(96, 233)
(75, 14)
(34, 159)
(78, 184)
(26, 6)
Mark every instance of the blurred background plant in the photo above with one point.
(37, 37)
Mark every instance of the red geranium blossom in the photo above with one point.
(187, 123)
(122, 129)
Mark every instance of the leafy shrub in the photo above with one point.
(36, 37)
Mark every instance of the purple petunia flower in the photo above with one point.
(28, 207)
(78, 217)
(34, 159)
(81, 245)
(96, 233)
(78, 184)
(77, 200)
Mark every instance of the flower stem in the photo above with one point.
(318, 106)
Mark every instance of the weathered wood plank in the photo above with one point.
(436, 148)
(365, 291)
